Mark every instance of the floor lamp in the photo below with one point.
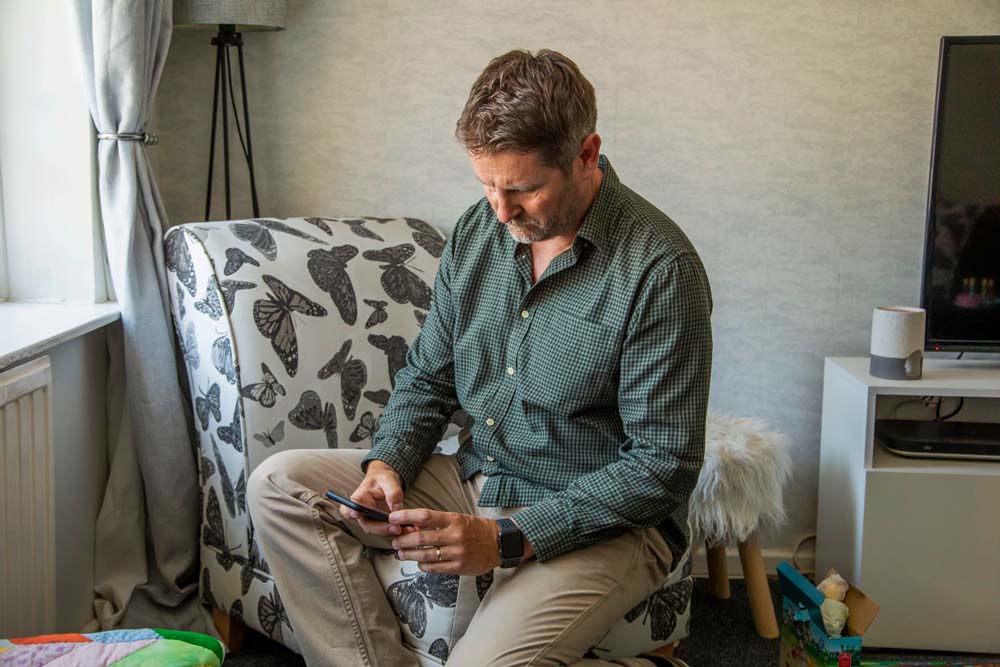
(229, 17)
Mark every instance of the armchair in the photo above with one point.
(292, 332)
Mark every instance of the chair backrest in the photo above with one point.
(300, 323)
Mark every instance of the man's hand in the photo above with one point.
(468, 543)
(382, 489)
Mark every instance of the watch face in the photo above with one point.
(510, 544)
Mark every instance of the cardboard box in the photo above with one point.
(804, 640)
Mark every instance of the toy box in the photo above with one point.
(804, 640)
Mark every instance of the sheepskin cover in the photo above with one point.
(739, 490)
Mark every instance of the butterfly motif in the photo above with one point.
(272, 615)
(311, 415)
(235, 496)
(222, 358)
(273, 316)
(427, 237)
(180, 300)
(395, 349)
(257, 233)
(207, 468)
(255, 567)
(366, 429)
(236, 611)
(421, 317)
(379, 397)
(319, 222)
(208, 404)
(233, 434)
(189, 347)
(378, 315)
(178, 260)
(663, 607)
(357, 226)
(229, 288)
(235, 259)
(398, 281)
(439, 649)
(211, 305)
(410, 597)
(328, 269)
(483, 583)
(353, 377)
(214, 535)
(272, 437)
(265, 392)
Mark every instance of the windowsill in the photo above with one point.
(28, 329)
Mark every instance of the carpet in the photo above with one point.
(722, 635)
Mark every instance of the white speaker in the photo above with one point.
(897, 351)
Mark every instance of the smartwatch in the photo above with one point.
(510, 543)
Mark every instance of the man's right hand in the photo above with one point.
(381, 488)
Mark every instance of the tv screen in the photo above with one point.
(961, 282)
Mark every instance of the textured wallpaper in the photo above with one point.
(790, 140)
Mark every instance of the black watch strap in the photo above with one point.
(510, 543)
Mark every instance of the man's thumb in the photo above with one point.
(393, 496)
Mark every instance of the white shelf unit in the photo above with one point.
(921, 537)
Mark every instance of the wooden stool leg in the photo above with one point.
(718, 576)
(758, 591)
(230, 630)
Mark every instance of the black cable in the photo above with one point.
(961, 402)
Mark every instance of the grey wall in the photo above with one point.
(791, 141)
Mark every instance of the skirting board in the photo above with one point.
(806, 556)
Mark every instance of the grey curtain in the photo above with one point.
(147, 531)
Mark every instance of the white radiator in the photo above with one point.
(27, 508)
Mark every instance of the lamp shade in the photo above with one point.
(247, 14)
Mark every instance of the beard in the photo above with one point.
(565, 220)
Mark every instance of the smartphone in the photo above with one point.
(367, 512)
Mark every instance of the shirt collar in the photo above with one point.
(597, 224)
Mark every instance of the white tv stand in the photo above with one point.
(921, 537)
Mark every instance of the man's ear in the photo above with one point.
(590, 151)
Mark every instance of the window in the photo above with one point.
(50, 247)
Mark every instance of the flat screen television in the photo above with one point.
(961, 279)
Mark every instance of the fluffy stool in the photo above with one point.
(739, 494)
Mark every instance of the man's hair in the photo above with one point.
(528, 103)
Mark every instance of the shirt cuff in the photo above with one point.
(402, 456)
(549, 536)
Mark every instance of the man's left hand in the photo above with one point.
(467, 544)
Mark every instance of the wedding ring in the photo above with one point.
(438, 550)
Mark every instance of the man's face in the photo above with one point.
(534, 201)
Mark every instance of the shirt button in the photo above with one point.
(491, 459)
(489, 421)
(510, 370)
(524, 314)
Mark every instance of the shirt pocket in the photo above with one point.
(569, 364)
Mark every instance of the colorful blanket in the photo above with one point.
(120, 648)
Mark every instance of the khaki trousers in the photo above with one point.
(539, 614)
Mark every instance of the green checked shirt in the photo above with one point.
(588, 389)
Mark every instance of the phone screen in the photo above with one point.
(368, 512)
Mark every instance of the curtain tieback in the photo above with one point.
(148, 138)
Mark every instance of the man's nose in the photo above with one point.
(505, 208)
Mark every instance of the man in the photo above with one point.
(571, 320)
